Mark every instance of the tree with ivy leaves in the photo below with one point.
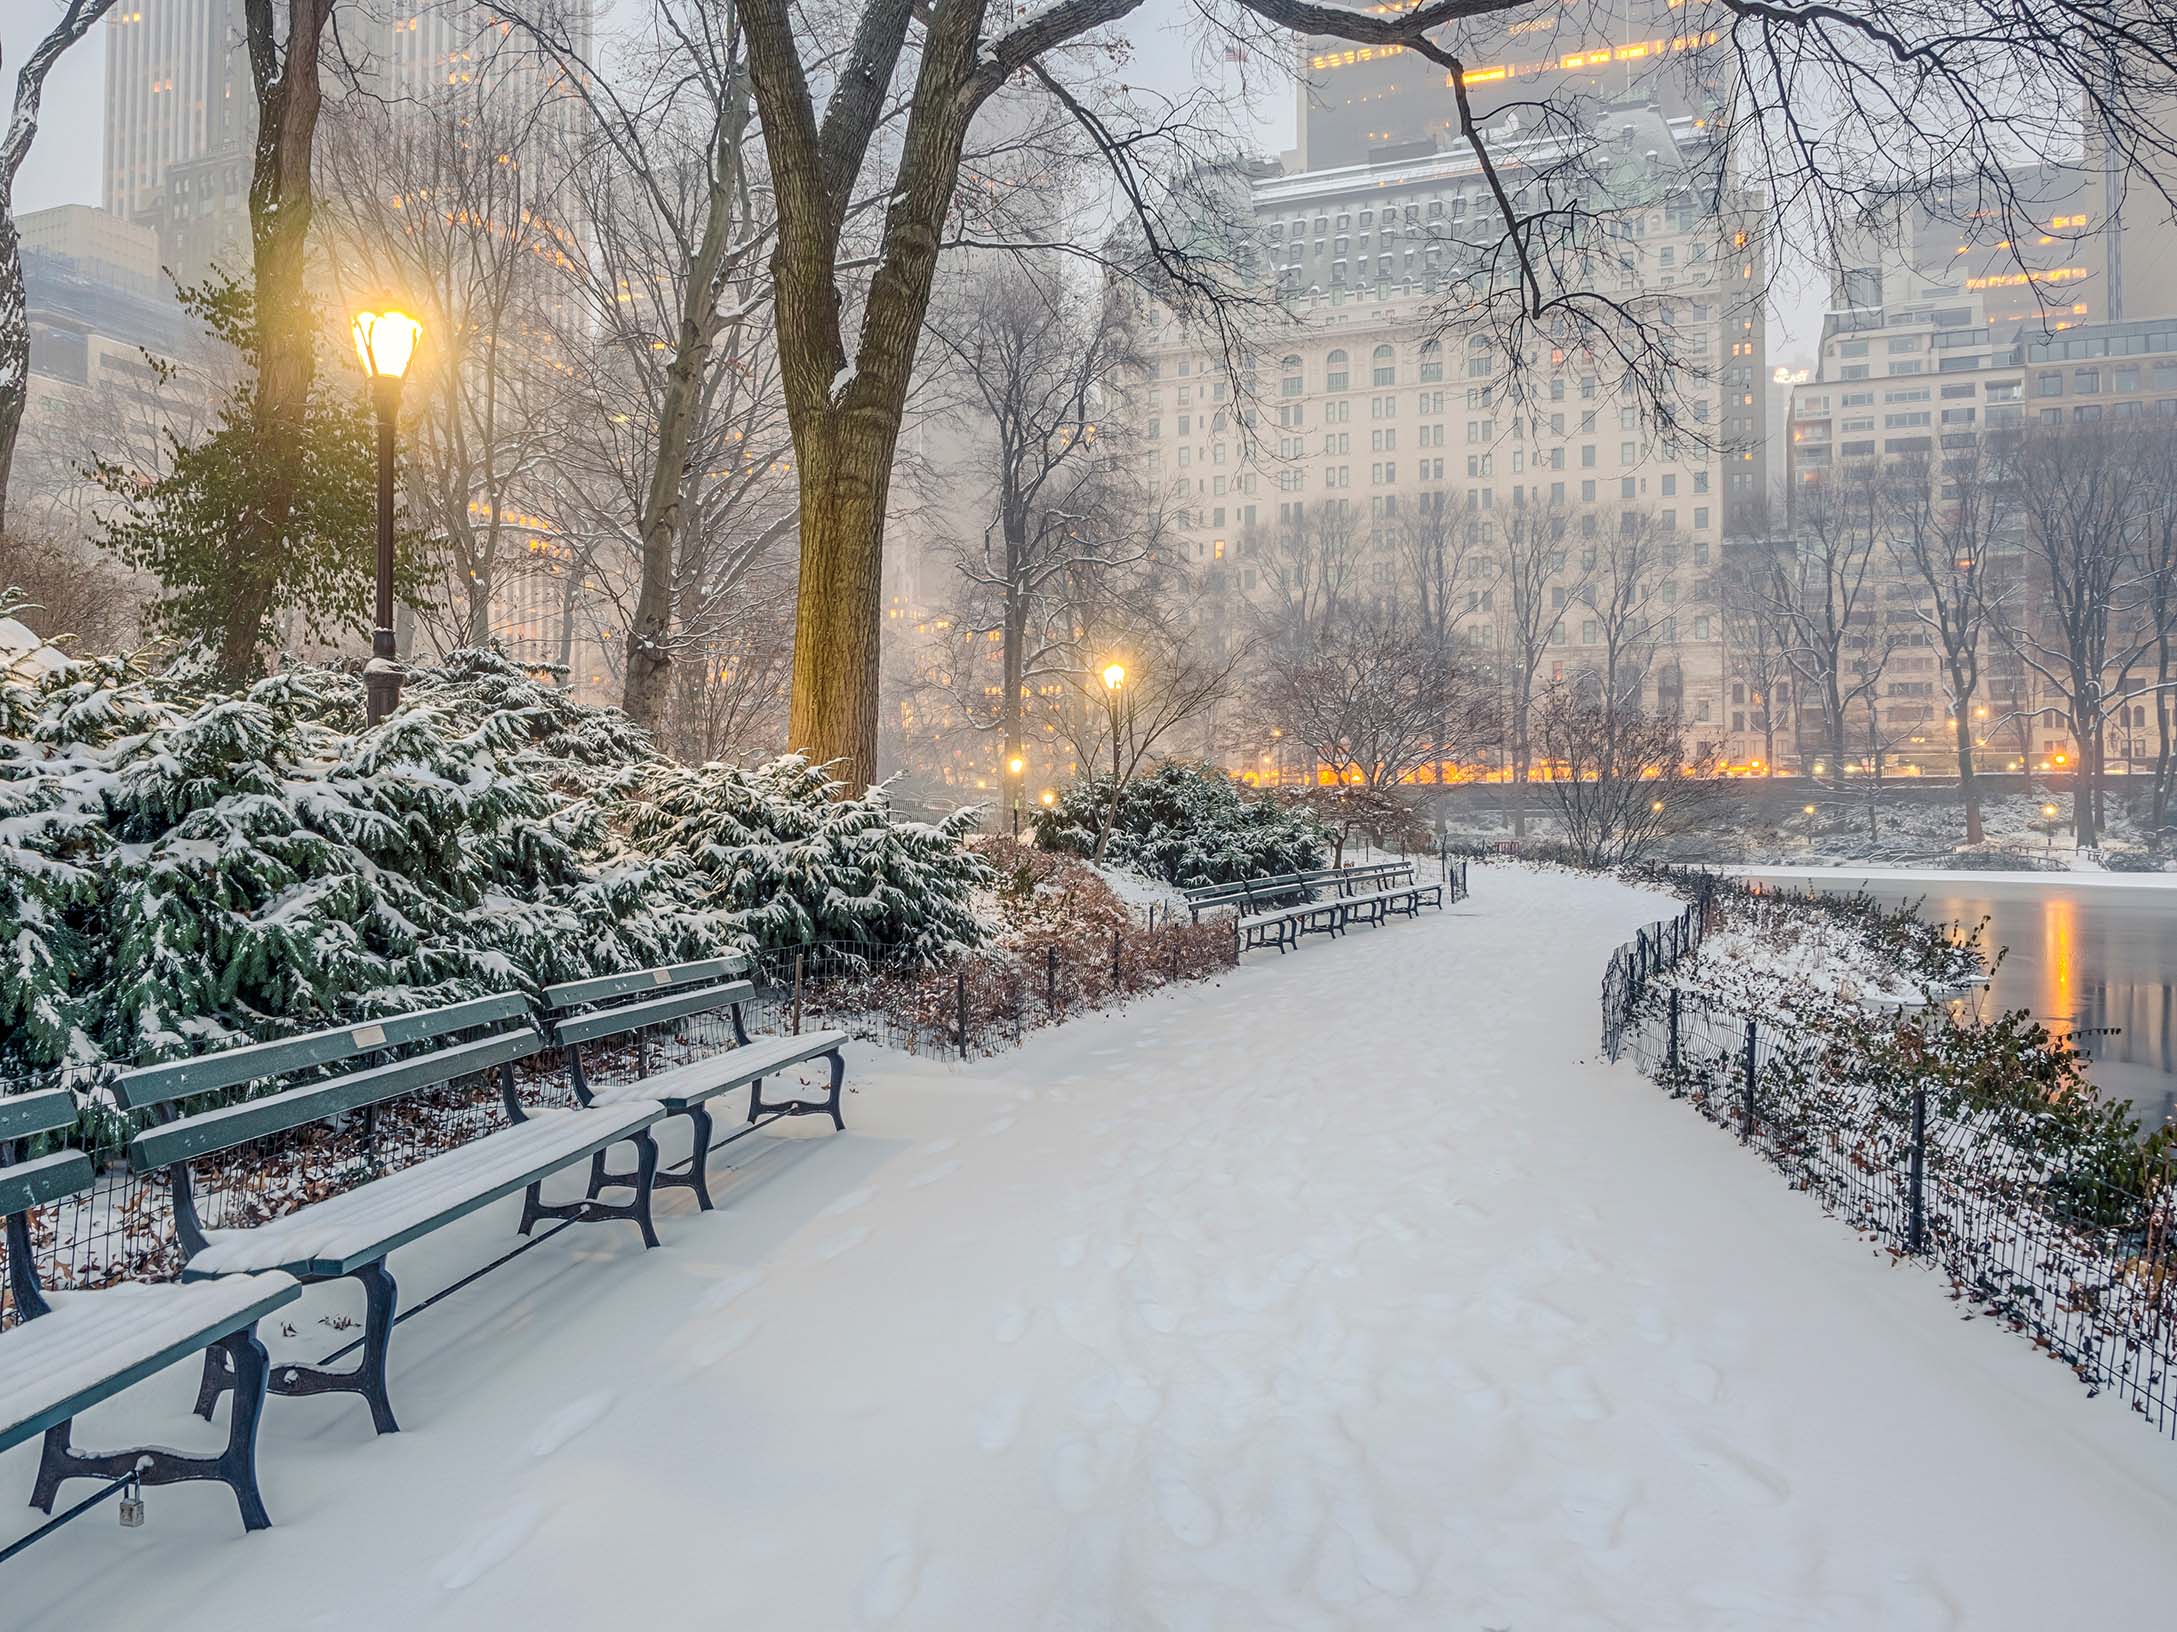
(189, 526)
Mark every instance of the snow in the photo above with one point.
(1859, 873)
(1352, 1291)
(87, 1337)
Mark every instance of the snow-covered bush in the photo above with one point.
(178, 871)
(1187, 825)
(786, 861)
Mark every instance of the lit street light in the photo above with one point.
(386, 343)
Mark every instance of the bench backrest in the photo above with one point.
(580, 1011)
(33, 1181)
(506, 1036)
(36, 1180)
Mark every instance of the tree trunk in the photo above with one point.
(2163, 726)
(845, 469)
(281, 203)
(1968, 789)
(14, 346)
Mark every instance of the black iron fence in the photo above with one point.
(2081, 1257)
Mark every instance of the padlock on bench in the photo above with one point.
(132, 1505)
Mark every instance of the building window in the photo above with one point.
(1336, 371)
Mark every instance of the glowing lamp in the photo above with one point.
(385, 342)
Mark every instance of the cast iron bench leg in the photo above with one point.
(380, 1296)
(235, 1466)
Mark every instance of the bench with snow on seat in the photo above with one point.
(349, 1235)
(67, 1351)
(1279, 908)
(1394, 889)
(588, 1011)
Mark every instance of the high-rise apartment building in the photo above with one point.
(181, 115)
(1355, 99)
(1379, 419)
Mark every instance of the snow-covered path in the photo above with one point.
(1350, 1293)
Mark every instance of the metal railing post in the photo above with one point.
(1115, 959)
(1916, 1173)
(1746, 1117)
(960, 992)
(797, 994)
(1674, 1029)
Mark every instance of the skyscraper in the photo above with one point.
(177, 91)
(1355, 100)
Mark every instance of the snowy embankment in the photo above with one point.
(1351, 1291)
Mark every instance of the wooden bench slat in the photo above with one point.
(230, 1068)
(677, 1087)
(46, 1111)
(583, 1028)
(95, 1344)
(25, 1185)
(600, 988)
(192, 1136)
(360, 1226)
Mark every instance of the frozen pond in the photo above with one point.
(2082, 957)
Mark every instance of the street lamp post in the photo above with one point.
(1114, 678)
(1013, 769)
(385, 342)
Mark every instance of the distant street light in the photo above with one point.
(386, 343)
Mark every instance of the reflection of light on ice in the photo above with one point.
(2059, 936)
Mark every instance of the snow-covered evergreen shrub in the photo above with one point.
(787, 862)
(1187, 825)
(178, 872)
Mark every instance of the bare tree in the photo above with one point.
(1139, 622)
(1620, 785)
(1372, 698)
(1754, 648)
(74, 22)
(1310, 563)
(1839, 109)
(2085, 495)
(674, 281)
(1533, 591)
(1825, 597)
(1946, 518)
(2158, 604)
(1031, 354)
(460, 204)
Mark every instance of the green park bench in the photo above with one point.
(586, 1012)
(67, 1351)
(350, 1234)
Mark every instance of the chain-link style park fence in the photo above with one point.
(2078, 1254)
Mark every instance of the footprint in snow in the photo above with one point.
(931, 1175)
(1156, 1317)
(938, 1147)
(1118, 1255)
(848, 1202)
(1010, 1324)
(998, 1421)
(713, 1347)
(569, 1421)
(891, 1580)
(840, 1245)
(1577, 1392)
(730, 1286)
(998, 1127)
(1186, 1513)
(1071, 1251)
(1073, 1476)
(489, 1547)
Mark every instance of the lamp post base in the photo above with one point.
(381, 688)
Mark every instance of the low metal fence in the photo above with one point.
(2081, 1260)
